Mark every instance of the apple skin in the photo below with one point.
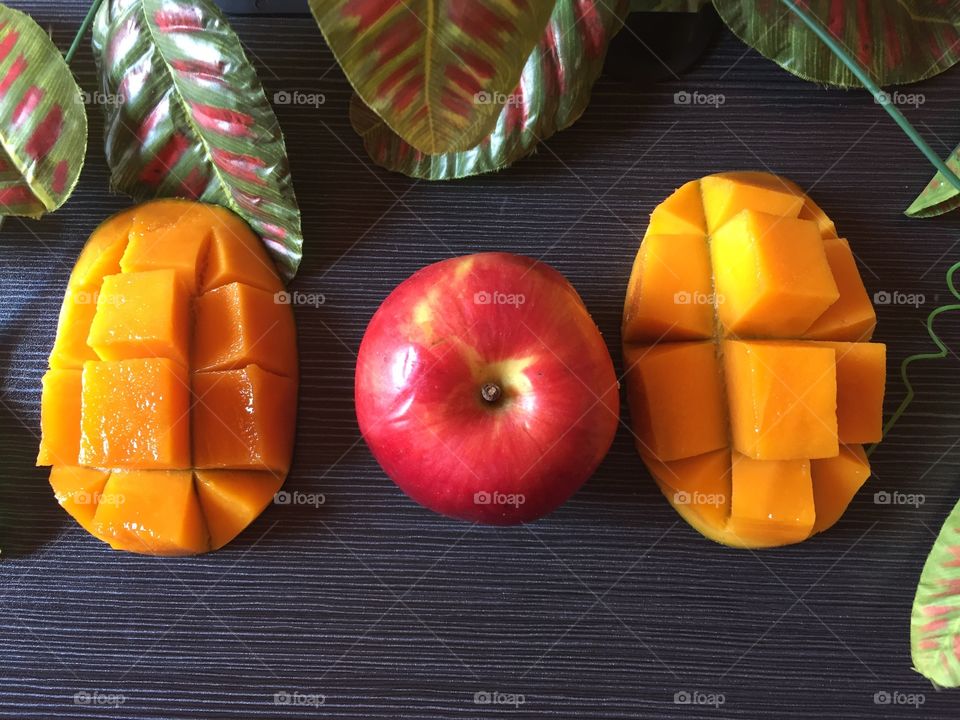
(459, 326)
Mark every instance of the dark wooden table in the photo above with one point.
(608, 608)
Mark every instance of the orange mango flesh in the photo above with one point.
(120, 423)
(755, 438)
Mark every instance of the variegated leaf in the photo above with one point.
(935, 621)
(422, 65)
(897, 41)
(554, 90)
(940, 195)
(43, 123)
(187, 116)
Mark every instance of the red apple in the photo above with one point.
(485, 390)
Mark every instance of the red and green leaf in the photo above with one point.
(554, 90)
(940, 195)
(187, 117)
(421, 65)
(43, 123)
(898, 42)
(935, 621)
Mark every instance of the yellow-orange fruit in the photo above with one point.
(171, 355)
(750, 382)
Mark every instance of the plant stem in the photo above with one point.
(74, 46)
(879, 96)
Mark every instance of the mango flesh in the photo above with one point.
(751, 424)
(121, 425)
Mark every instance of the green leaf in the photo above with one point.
(422, 64)
(43, 123)
(935, 620)
(187, 116)
(554, 90)
(897, 42)
(939, 196)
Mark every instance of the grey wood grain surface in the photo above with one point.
(608, 608)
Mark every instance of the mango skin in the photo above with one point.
(127, 322)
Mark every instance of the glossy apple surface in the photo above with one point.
(485, 390)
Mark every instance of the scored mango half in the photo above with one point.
(750, 377)
(168, 409)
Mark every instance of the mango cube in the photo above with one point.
(142, 314)
(676, 399)
(237, 255)
(232, 499)
(670, 295)
(773, 501)
(861, 381)
(135, 414)
(151, 512)
(60, 418)
(680, 214)
(243, 419)
(835, 481)
(772, 275)
(852, 316)
(726, 195)
(783, 399)
(78, 490)
(180, 245)
(70, 349)
(239, 325)
(699, 485)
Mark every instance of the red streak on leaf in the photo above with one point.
(246, 200)
(865, 46)
(460, 77)
(838, 18)
(402, 34)
(368, 11)
(193, 185)
(201, 69)
(155, 170)
(178, 18)
(478, 65)
(242, 166)
(557, 78)
(590, 25)
(60, 172)
(457, 103)
(153, 118)
(222, 120)
(46, 134)
(15, 195)
(390, 82)
(15, 71)
(408, 92)
(479, 21)
(27, 104)
(6, 45)
(273, 230)
(891, 44)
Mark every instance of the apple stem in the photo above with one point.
(490, 392)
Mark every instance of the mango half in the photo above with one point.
(168, 409)
(751, 381)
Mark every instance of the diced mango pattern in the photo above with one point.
(751, 382)
(168, 411)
